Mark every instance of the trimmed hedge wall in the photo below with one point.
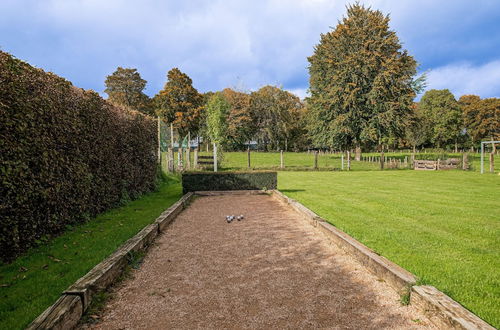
(65, 155)
(207, 181)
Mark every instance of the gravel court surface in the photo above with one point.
(270, 270)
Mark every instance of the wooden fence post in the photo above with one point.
(215, 157)
(248, 157)
(282, 163)
(492, 162)
(195, 161)
(465, 160)
(342, 160)
(315, 159)
(171, 166)
(382, 159)
(348, 160)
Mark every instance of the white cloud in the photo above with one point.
(218, 43)
(300, 92)
(465, 78)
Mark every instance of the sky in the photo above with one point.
(243, 44)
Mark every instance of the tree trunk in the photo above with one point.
(492, 162)
(248, 157)
(171, 135)
(357, 155)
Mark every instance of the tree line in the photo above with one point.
(362, 90)
(271, 117)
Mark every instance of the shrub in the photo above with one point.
(65, 155)
(207, 181)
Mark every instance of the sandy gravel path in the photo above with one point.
(271, 270)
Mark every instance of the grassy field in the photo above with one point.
(33, 282)
(442, 226)
(326, 162)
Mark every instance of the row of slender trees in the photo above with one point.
(362, 90)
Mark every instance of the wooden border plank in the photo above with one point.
(440, 308)
(443, 311)
(64, 314)
(68, 309)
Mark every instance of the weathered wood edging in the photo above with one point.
(230, 192)
(69, 308)
(443, 311)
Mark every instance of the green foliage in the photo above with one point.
(277, 116)
(415, 129)
(240, 128)
(481, 117)
(51, 268)
(65, 154)
(217, 112)
(125, 87)
(405, 299)
(441, 117)
(180, 103)
(361, 82)
(207, 181)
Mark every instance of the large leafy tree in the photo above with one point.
(180, 103)
(481, 117)
(276, 114)
(240, 128)
(125, 87)
(442, 115)
(361, 82)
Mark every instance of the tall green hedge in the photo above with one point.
(65, 155)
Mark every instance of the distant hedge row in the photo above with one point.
(65, 155)
(216, 181)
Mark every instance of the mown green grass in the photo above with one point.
(36, 280)
(443, 226)
(326, 162)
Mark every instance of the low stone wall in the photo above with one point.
(69, 308)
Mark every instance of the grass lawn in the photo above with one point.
(34, 281)
(443, 227)
(305, 161)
